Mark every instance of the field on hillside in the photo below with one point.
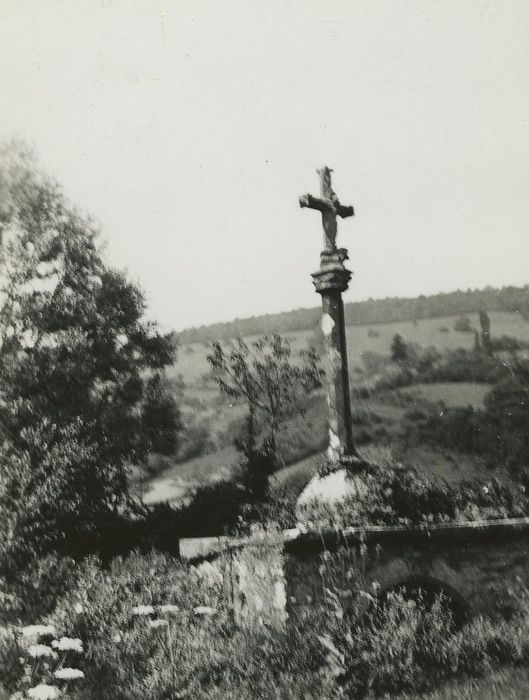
(192, 361)
(453, 394)
(382, 416)
(179, 479)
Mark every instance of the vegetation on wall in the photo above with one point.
(149, 626)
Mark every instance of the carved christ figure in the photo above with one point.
(329, 206)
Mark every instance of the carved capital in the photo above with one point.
(332, 275)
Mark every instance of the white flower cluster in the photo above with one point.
(42, 672)
(169, 608)
(44, 692)
(68, 674)
(143, 610)
(158, 623)
(38, 631)
(204, 610)
(68, 644)
(37, 651)
(151, 609)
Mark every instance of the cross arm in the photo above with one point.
(323, 205)
(326, 205)
(343, 211)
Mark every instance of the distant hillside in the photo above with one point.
(391, 309)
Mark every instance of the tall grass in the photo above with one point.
(154, 628)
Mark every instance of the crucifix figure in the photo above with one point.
(330, 208)
(330, 281)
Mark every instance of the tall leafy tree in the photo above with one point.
(81, 370)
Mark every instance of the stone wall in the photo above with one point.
(480, 566)
(259, 585)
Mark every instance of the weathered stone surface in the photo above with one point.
(197, 547)
(332, 488)
(330, 281)
(259, 586)
(329, 206)
(479, 565)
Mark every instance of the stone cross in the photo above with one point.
(330, 281)
(330, 208)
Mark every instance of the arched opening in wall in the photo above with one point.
(425, 591)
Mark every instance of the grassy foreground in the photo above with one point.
(151, 627)
(509, 684)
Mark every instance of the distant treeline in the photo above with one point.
(391, 309)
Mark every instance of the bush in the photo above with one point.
(152, 627)
(463, 366)
(30, 591)
(463, 324)
(397, 495)
(506, 343)
(499, 432)
(459, 428)
(507, 417)
(195, 651)
(404, 642)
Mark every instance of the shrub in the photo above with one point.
(459, 428)
(463, 366)
(397, 495)
(507, 417)
(406, 643)
(463, 324)
(507, 343)
(30, 591)
(152, 627)
(136, 648)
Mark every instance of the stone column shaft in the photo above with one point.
(330, 281)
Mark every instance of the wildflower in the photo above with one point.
(43, 692)
(117, 638)
(38, 631)
(68, 644)
(68, 674)
(204, 610)
(143, 610)
(78, 608)
(39, 650)
(169, 608)
(157, 623)
(485, 489)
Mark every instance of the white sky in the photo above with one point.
(189, 129)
